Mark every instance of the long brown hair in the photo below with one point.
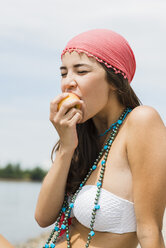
(88, 142)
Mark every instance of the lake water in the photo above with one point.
(17, 207)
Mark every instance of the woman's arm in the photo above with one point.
(4, 243)
(53, 188)
(146, 149)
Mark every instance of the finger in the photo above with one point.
(72, 103)
(54, 103)
(69, 115)
(75, 119)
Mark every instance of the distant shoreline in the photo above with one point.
(15, 179)
(18, 180)
(14, 171)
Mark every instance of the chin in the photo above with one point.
(81, 122)
(84, 119)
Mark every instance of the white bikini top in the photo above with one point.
(115, 215)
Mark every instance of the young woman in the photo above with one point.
(106, 186)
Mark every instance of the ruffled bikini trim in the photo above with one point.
(70, 50)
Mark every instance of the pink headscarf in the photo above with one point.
(107, 47)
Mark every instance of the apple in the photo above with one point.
(68, 98)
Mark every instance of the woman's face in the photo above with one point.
(86, 78)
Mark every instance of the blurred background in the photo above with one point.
(32, 35)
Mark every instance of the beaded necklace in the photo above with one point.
(67, 207)
(113, 125)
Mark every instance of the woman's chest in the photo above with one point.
(117, 176)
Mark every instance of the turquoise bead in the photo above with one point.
(97, 206)
(103, 162)
(63, 226)
(81, 185)
(92, 233)
(56, 228)
(63, 210)
(46, 246)
(105, 147)
(67, 236)
(99, 184)
(94, 167)
(71, 205)
(119, 122)
(52, 245)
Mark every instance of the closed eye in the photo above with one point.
(63, 74)
(80, 72)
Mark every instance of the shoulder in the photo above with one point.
(146, 146)
(146, 134)
(144, 118)
(143, 114)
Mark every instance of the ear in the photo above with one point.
(112, 88)
(112, 92)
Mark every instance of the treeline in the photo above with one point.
(14, 171)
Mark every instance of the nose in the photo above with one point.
(68, 84)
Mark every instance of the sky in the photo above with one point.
(32, 35)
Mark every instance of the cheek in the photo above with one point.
(98, 88)
(94, 82)
(95, 97)
(62, 86)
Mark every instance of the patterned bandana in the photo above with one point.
(106, 47)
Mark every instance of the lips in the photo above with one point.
(74, 94)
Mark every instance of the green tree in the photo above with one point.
(37, 174)
(15, 172)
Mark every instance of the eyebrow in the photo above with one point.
(75, 66)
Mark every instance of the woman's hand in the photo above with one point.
(65, 120)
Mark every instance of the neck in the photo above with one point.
(104, 121)
(106, 118)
